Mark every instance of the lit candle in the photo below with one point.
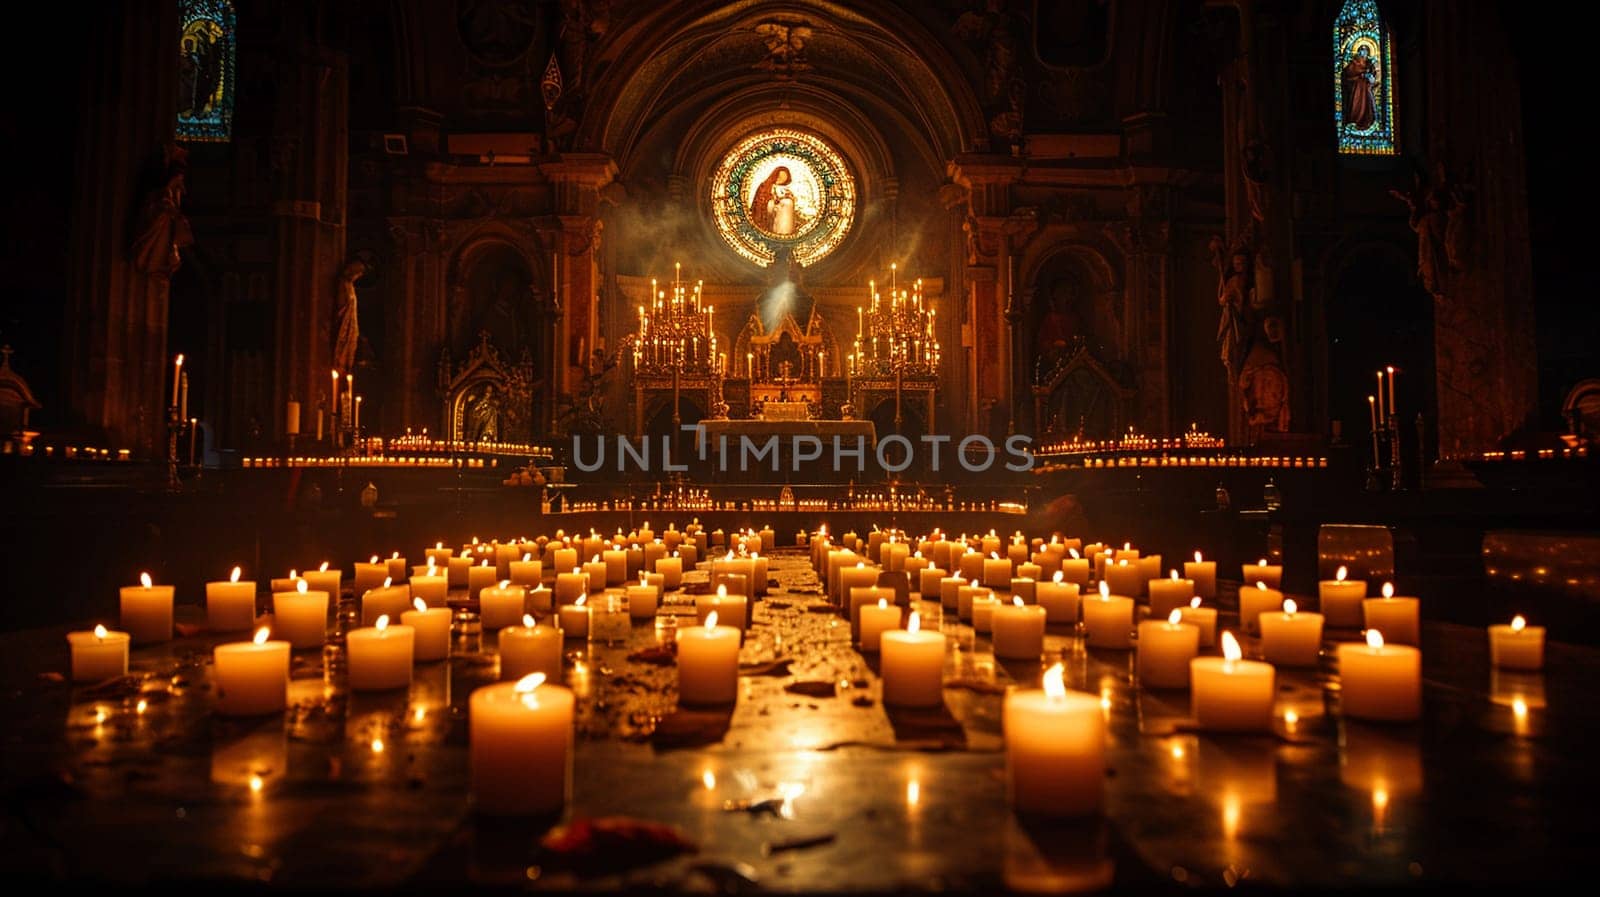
(387, 599)
(370, 575)
(858, 577)
(432, 625)
(1379, 681)
(1341, 600)
(147, 611)
(1204, 574)
(541, 600)
(252, 678)
(1382, 412)
(570, 585)
(1055, 750)
(520, 736)
(530, 648)
(1166, 595)
(1261, 571)
(1059, 599)
(1399, 618)
(894, 556)
(597, 572)
(324, 580)
(1108, 619)
(928, 579)
(231, 604)
(1025, 587)
(913, 666)
(616, 567)
(1228, 694)
(860, 600)
(1018, 630)
(950, 591)
(565, 559)
(301, 616)
(1165, 649)
(732, 610)
(965, 595)
(708, 663)
(1517, 646)
(1125, 577)
(380, 656)
(438, 554)
(482, 577)
(914, 565)
(1017, 551)
(996, 571)
(177, 377)
(501, 606)
(970, 565)
(642, 600)
(1255, 602)
(1390, 370)
(397, 567)
(1075, 569)
(671, 570)
(1202, 618)
(575, 618)
(1291, 638)
(456, 570)
(100, 654)
(430, 586)
(876, 619)
(983, 607)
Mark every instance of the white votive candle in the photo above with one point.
(324, 580)
(1517, 646)
(575, 618)
(1018, 630)
(642, 599)
(1059, 599)
(1204, 574)
(859, 600)
(370, 575)
(397, 566)
(671, 570)
(732, 610)
(1165, 649)
(456, 571)
(1108, 619)
(708, 663)
(1202, 618)
(1167, 595)
(1255, 600)
(432, 587)
(386, 600)
(1291, 638)
(502, 605)
(858, 577)
(1125, 578)
(983, 606)
(252, 678)
(1379, 681)
(996, 572)
(970, 565)
(1261, 571)
(564, 558)
(616, 569)
(876, 619)
(530, 648)
(1075, 570)
(231, 604)
(300, 617)
(1399, 619)
(520, 736)
(1227, 694)
(526, 572)
(98, 654)
(913, 666)
(438, 555)
(928, 579)
(1055, 750)
(481, 577)
(1340, 600)
(432, 625)
(147, 611)
(380, 656)
(1025, 587)
(570, 585)
(950, 592)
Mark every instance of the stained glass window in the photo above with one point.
(1363, 80)
(205, 69)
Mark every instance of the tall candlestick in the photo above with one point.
(1390, 369)
(177, 377)
(1382, 414)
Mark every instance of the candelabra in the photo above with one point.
(675, 332)
(894, 339)
(1387, 467)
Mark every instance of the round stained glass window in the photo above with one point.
(783, 189)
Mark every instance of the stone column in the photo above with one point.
(117, 364)
(988, 180)
(573, 235)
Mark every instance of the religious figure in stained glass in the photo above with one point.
(783, 192)
(205, 69)
(1363, 80)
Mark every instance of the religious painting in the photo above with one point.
(783, 190)
(1363, 89)
(205, 70)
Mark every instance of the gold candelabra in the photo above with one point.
(675, 332)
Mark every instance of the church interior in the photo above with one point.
(817, 446)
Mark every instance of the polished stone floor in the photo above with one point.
(806, 785)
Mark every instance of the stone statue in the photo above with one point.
(1253, 159)
(1431, 207)
(1264, 384)
(483, 416)
(163, 228)
(1235, 283)
(349, 334)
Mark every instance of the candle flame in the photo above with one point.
(528, 621)
(883, 602)
(395, 556)
(261, 635)
(1230, 647)
(973, 584)
(294, 574)
(582, 599)
(915, 623)
(382, 623)
(528, 684)
(234, 577)
(374, 560)
(1195, 601)
(505, 583)
(1058, 576)
(1055, 686)
(722, 591)
(1175, 617)
(1127, 546)
(100, 631)
(301, 586)
(419, 604)
(1340, 574)
(1174, 575)
(1261, 585)
(1261, 563)
(484, 562)
(1016, 600)
(432, 568)
(1388, 590)
(1289, 607)
(917, 554)
(324, 567)
(711, 620)
(438, 546)
(1105, 590)
(1197, 557)
(527, 556)
(995, 555)
(1374, 639)
(1518, 623)
(388, 581)
(1075, 555)
(144, 580)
